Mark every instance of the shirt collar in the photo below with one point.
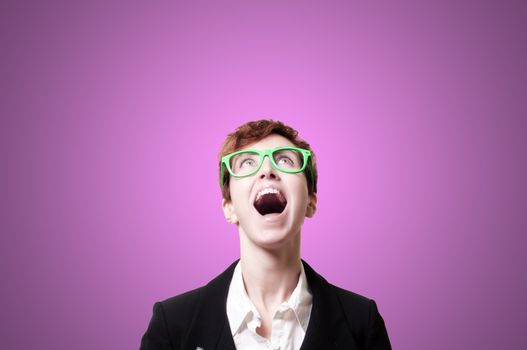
(240, 308)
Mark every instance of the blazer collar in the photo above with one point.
(327, 328)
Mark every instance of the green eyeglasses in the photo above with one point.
(289, 160)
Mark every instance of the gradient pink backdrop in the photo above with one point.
(112, 115)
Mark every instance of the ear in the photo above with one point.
(228, 211)
(311, 205)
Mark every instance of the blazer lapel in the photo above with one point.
(210, 329)
(327, 328)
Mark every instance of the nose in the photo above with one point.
(267, 170)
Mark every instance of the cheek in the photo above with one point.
(235, 188)
(239, 195)
(301, 197)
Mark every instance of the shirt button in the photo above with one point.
(276, 345)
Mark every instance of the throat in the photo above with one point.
(269, 286)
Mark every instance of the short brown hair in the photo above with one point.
(255, 131)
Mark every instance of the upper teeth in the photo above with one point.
(266, 191)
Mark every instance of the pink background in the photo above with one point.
(112, 116)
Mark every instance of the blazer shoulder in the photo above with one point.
(364, 319)
(170, 321)
(174, 319)
(357, 308)
(181, 308)
(351, 299)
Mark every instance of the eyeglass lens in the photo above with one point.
(246, 162)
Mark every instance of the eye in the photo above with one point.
(247, 162)
(283, 160)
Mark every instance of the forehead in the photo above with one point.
(271, 141)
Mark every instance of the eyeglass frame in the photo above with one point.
(307, 154)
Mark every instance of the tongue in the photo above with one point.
(270, 203)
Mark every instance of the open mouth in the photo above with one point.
(270, 201)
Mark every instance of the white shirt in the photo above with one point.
(289, 323)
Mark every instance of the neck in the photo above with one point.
(269, 275)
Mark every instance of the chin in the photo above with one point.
(271, 238)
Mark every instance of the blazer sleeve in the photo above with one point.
(156, 336)
(377, 338)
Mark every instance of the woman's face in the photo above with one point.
(269, 230)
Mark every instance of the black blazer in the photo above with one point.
(198, 319)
